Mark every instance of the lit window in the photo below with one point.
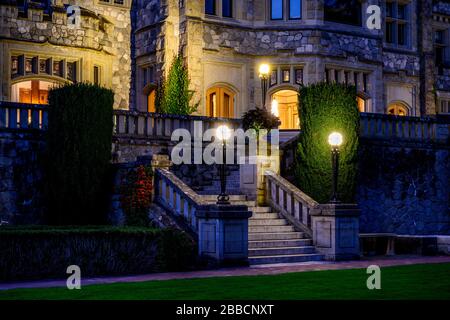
(14, 65)
(273, 77)
(57, 70)
(286, 75)
(220, 102)
(397, 109)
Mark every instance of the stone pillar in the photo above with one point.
(223, 233)
(252, 175)
(336, 231)
(159, 161)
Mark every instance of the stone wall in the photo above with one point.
(404, 189)
(103, 36)
(21, 177)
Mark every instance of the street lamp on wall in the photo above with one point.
(264, 71)
(223, 133)
(335, 140)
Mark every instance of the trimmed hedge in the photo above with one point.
(325, 108)
(79, 140)
(46, 252)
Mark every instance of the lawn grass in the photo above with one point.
(427, 281)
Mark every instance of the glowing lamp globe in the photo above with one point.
(335, 139)
(223, 133)
(264, 70)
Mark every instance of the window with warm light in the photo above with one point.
(397, 109)
(220, 102)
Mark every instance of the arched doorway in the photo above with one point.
(398, 109)
(284, 105)
(220, 102)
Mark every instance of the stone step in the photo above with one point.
(260, 209)
(257, 216)
(285, 259)
(267, 222)
(271, 229)
(234, 197)
(280, 251)
(275, 236)
(279, 243)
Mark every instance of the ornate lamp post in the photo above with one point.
(223, 133)
(335, 140)
(264, 71)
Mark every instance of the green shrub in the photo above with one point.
(177, 95)
(79, 140)
(325, 108)
(177, 250)
(45, 252)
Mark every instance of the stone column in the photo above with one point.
(159, 161)
(252, 175)
(223, 233)
(336, 231)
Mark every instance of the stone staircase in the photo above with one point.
(271, 238)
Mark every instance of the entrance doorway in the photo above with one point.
(285, 106)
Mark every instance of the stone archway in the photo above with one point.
(284, 104)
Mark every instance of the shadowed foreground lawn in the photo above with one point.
(430, 281)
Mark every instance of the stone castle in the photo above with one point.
(401, 69)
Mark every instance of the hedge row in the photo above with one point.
(46, 252)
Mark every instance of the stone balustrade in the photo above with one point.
(386, 127)
(157, 125)
(334, 228)
(23, 116)
(146, 125)
(291, 202)
(222, 229)
(177, 197)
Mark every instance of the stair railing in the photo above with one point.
(291, 202)
(178, 198)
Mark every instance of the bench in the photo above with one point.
(390, 243)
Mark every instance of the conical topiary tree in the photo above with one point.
(325, 108)
(177, 95)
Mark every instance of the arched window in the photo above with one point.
(220, 102)
(150, 92)
(343, 11)
(397, 109)
(31, 91)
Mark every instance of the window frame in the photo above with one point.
(289, 2)
(396, 21)
(271, 10)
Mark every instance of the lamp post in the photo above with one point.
(223, 133)
(264, 71)
(335, 140)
